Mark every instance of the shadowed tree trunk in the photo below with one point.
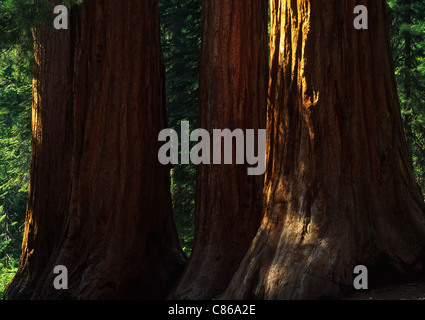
(117, 236)
(339, 187)
(233, 91)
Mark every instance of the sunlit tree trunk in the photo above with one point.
(339, 187)
(233, 91)
(52, 139)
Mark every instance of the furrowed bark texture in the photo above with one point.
(233, 91)
(339, 188)
(51, 152)
(118, 238)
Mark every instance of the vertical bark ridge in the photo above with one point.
(117, 235)
(52, 136)
(232, 95)
(339, 191)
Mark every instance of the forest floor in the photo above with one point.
(414, 290)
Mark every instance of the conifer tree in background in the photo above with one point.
(181, 33)
(15, 133)
(181, 38)
(407, 22)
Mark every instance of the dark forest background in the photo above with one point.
(181, 39)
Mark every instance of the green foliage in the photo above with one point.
(407, 22)
(15, 141)
(15, 130)
(6, 274)
(18, 18)
(181, 38)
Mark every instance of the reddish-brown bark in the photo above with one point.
(50, 157)
(233, 91)
(339, 188)
(116, 235)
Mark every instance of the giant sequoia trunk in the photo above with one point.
(233, 82)
(116, 236)
(339, 188)
(51, 151)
